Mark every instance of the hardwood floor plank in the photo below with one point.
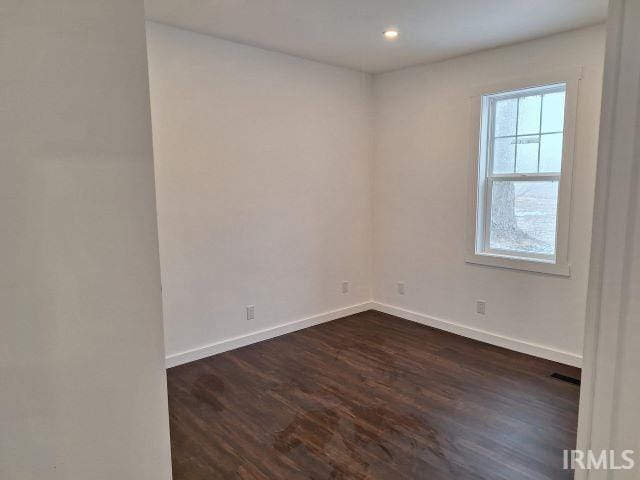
(369, 397)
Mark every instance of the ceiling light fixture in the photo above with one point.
(391, 34)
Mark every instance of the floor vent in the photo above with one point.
(565, 378)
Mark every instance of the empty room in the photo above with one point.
(304, 239)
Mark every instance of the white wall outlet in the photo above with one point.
(345, 287)
(401, 288)
(481, 307)
(251, 312)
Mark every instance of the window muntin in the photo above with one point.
(522, 165)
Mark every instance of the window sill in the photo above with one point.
(515, 263)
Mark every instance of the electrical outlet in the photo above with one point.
(401, 288)
(251, 312)
(481, 307)
(345, 287)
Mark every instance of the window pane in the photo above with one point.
(553, 112)
(527, 154)
(504, 151)
(551, 153)
(505, 121)
(523, 216)
(529, 115)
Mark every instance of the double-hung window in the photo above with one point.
(522, 193)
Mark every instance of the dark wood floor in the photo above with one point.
(371, 396)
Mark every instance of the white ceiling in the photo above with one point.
(349, 32)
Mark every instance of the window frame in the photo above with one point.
(479, 188)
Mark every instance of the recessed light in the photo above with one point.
(391, 34)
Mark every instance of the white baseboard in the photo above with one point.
(260, 335)
(481, 335)
(462, 330)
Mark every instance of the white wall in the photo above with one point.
(262, 170)
(83, 391)
(421, 168)
(610, 393)
(264, 166)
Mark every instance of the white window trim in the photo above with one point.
(561, 266)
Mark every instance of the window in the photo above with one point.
(523, 179)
